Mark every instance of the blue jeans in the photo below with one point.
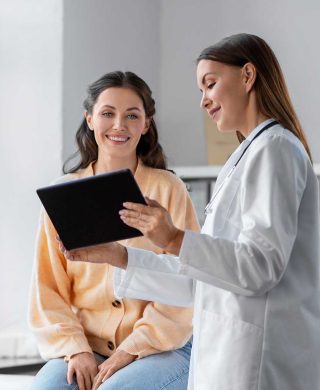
(166, 370)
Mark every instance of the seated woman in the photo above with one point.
(92, 339)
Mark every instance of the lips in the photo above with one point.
(118, 138)
(213, 111)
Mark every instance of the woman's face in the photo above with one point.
(118, 120)
(224, 94)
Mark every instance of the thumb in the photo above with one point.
(152, 202)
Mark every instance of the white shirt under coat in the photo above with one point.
(253, 274)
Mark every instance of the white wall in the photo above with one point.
(30, 136)
(292, 29)
(160, 40)
(101, 36)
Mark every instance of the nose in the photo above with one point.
(205, 101)
(118, 123)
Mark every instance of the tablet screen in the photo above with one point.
(86, 211)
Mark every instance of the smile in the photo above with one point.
(213, 111)
(117, 138)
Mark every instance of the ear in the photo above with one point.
(147, 126)
(88, 119)
(249, 74)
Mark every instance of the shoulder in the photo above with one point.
(71, 176)
(278, 148)
(164, 178)
(278, 139)
(277, 156)
(65, 178)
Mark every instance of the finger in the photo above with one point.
(134, 215)
(95, 385)
(109, 373)
(61, 247)
(80, 381)
(87, 382)
(98, 380)
(92, 377)
(68, 255)
(140, 208)
(70, 374)
(135, 223)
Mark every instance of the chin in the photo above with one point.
(225, 128)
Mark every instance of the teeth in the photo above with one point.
(114, 138)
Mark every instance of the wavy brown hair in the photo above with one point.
(270, 86)
(149, 149)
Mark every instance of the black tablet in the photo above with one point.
(86, 211)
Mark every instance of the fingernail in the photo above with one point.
(126, 204)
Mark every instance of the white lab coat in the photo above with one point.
(256, 267)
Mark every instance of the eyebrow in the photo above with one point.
(207, 74)
(128, 109)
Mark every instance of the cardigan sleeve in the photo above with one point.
(163, 327)
(57, 328)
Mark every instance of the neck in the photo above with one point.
(253, 116)
(106, 164)
(252, 123)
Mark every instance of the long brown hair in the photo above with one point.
(270, 86)
(148, 149)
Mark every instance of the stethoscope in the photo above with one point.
(209, 209)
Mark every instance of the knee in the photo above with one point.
(52, 376)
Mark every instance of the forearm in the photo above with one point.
(154, 277)
(55, 325)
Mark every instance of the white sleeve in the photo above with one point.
(272, 185)
(155, 278)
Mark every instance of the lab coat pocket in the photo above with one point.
(229, 353)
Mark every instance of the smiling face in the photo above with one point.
(118, 120)
(225, 93)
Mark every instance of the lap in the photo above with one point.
(166, 370)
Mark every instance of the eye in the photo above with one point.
(107, 114)
(211, 85)
(132, 116)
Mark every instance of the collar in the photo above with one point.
(88, 171)
(257, 129)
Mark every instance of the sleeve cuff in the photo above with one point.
(155, 278)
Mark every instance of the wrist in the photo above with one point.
(67, 358)
(124, 258)
(174, 245)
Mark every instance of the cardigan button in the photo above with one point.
(116, 303)
(110, 345)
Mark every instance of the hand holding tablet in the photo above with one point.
(85, 212)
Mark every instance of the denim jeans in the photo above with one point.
(166, 370)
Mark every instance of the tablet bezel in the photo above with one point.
(84, 216)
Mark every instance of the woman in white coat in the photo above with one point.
(253, 272)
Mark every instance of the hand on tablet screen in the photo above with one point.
(153, 221)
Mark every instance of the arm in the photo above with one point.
(57, 329)
(272, 186)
